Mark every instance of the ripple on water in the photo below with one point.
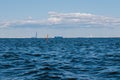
(65, 59)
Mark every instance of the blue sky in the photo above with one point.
(69, 18)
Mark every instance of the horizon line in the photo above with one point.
(52, 37)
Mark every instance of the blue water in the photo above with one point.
(60, 59)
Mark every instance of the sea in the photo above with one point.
(60, 59)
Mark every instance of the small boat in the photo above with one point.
(58, 37)
(35, 35)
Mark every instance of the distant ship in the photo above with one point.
(35, 35)
(58, 37)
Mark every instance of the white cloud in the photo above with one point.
(54, 20)
(73, 19)
(84, 20)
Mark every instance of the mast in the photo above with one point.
(36, 35)
(47, 38)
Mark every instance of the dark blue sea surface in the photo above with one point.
(60, 59)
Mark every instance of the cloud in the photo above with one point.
(84, 19)
(66, 20)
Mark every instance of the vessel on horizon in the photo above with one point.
(58, 37)
(35, 35)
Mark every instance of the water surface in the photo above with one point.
(60, 59)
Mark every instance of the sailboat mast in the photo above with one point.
(47, 38)
(36, 35)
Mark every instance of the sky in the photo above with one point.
(67, 18)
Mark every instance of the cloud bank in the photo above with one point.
(66, 20)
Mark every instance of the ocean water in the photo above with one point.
(60, 59)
